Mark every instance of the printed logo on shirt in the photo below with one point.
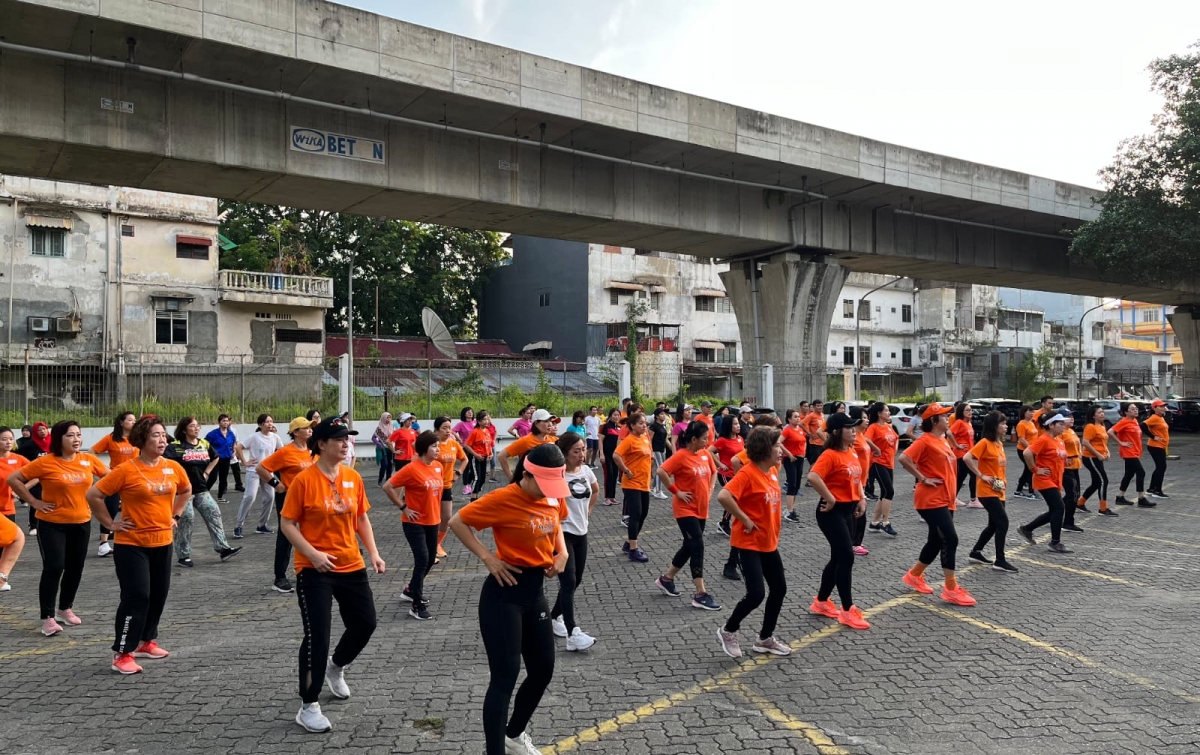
(580, 488)
(160, 487)
(702, 471)
(773, 492)
(543, 524)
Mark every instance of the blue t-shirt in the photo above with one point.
(222, 444)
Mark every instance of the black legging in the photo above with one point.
(113, 504)
(997, 526)
(64, 549)
(759, 567)
(386, 462)
(477, 469)
(794, 468)
(1160, 468)
(1133, 468)
(610, 468)
(967, 476)
(860, 529)
(637, 506)
(283, 546)
(942, 538)
(1026, 480)
(515, 625)
(1053, 515)
(1070, 495)
(316, 591)
(423, 539)
(145, 578)
(693, 545)
(570, 579)
(1095, 468)
(887, 485)
(837, 526)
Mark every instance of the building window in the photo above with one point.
(848, 308)
(893, 355)
(298, 335)
(1174, 342)
(706, 304)
(906, 313)
(1097, 331)
(127, 231)
(864, 356)
(655, 301)
(284, 316)
(1090, 364)
(544, 300)
(724, 306)
(48, 242)
(979, 321)
(262, 315)
(906, 357)
(1149, 315)
(864, 309)
(848, 354)
(728, 354)
(170, 327)
(833, 352)
(963, 362)
(706, 355)
(191, 252)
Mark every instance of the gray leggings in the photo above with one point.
(211, 514)
(255, 490)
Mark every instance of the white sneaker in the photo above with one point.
(559, 626)
(5, 587)
(522, 745)
(336, 676)
(579, 641)
(312, 719)
(104, 549)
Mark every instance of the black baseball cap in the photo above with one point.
(840, 420)
(329, 429)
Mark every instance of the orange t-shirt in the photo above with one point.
(795, 440)
(1050, 453)
(287, 462)
(882, 435)
(863, 450)
(841, 472)
(119, 451)
(693, 473)
(706, 419)
(9, 464)
(480, 441)
(1027, 432)
(65, 484)
(1160, 432)
(934, 460)
(8, 532)
(1098, 437)
(1071, 444)
(757, 494)
(962, 434)
(524, 528)
(147, 499)
(992, 463)
(637, 454)
(403, 439)
(1129, 431)
(524, 445)
(812, 425)
(422, 485)
(450, 452)
(327, 512)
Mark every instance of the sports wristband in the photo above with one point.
(275, 481)
(674, 489)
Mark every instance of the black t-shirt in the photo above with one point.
(658, 438)
(194, 459)
(610, 435)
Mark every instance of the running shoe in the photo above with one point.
(1145, 504)
(124, 663)
(237, 533)
(239, 489)
(312, 719)
(705, 601)
(33, 531)
(958, 596)
(824, 608)
(974, 504)
(729, 643)
(229, 553)
(150, 649)
(222, 499)
(725, 528)
(185, 562)
(625, 547)
(1004, 566)
(875, 527)
(978, 558)
(67, 616)
(638, 555)
(1123, 501)
(1026, 533)
(792, 517)
(917, 582)
(466, 490)
(1073, 528)
(730, 572)
(772, 646)
(1157, 494)
(50, 627)
(853, 618)
(889, 530)
(860, 550)
(406, 595)
(420, 612)
(624, 520)
(104, 549)
(1108, 512)
(1083, 509)
(282, 585)
(522, 745)
(1032, 496)
(6, 586)
(667, 586)
(558, 626)
(336, 676)
(264, 531)
(1060, 548)
(579, 640)
(871, 496)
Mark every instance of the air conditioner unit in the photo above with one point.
(39, 324)
(68, 325)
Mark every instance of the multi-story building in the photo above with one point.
(873, 335)
(1145, 327)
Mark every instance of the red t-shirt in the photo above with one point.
(795, 440)
(403, 440)
(757, 494)
(935, 460)
(727, 448)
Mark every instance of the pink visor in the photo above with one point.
(551, 480)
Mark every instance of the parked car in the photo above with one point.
(981, 406)
(1184, 414)
(902, 414)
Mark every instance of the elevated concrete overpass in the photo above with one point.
(312, 104)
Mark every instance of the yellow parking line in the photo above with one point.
(1062, 652)
(1173, 543)
(814, 735)
(1080, 572)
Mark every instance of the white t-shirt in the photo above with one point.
(260, 446)
(580, 484)
(593, 427)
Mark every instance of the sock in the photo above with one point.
(917, 570)
(951, 582)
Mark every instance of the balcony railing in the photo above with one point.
(275, 283)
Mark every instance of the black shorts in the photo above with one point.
(447, 495)
(592, 444)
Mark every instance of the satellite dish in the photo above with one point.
(437, 332)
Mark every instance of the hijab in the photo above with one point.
(384, 430)
(43, 444)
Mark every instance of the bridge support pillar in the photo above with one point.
(1185, 322)
(784, 303)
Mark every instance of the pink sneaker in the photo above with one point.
(67, 616)
(974, 504)
(860, 550)
(50, 627)
(150, 649)
(125, 664)
(466, 490)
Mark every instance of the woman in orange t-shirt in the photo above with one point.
(962, 440)
(116, 444)
(1074, 462)
(514, 617)
(688, 474)
(1128, 434)
(1159, 443)
(480, 443)
(422, 513)
(837, 479)
(1095, 453)
(154, 493)
(279, 471)
(453, 460)
(65, 520)
(324, 517)
(987, 462)
(1046, 459)
(866, 449)
(634, 456)
(883, 465)
(1027, 433)
(795, 451)
(931, 460)
(752, 499)
(12, 540)
(542, 430)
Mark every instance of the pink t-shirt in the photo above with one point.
(522, 427)
(463, 429)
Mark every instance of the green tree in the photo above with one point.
(410, 265)
(1149, 224)
(635, 314)
(1029, 378)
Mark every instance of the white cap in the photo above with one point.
(541, 415)
(746, 409)
(1055, 418)
(405, 417)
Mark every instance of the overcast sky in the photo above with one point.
(1045, 87)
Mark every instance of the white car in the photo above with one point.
(902, 414)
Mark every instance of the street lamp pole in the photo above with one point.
(1079, 370)
(857, 336)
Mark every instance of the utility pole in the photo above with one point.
(857, 329)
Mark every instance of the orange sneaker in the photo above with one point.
(853, 618)
(958, 596)
(125, 664)
(824, 608)
(150, 649)
(917, 582)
